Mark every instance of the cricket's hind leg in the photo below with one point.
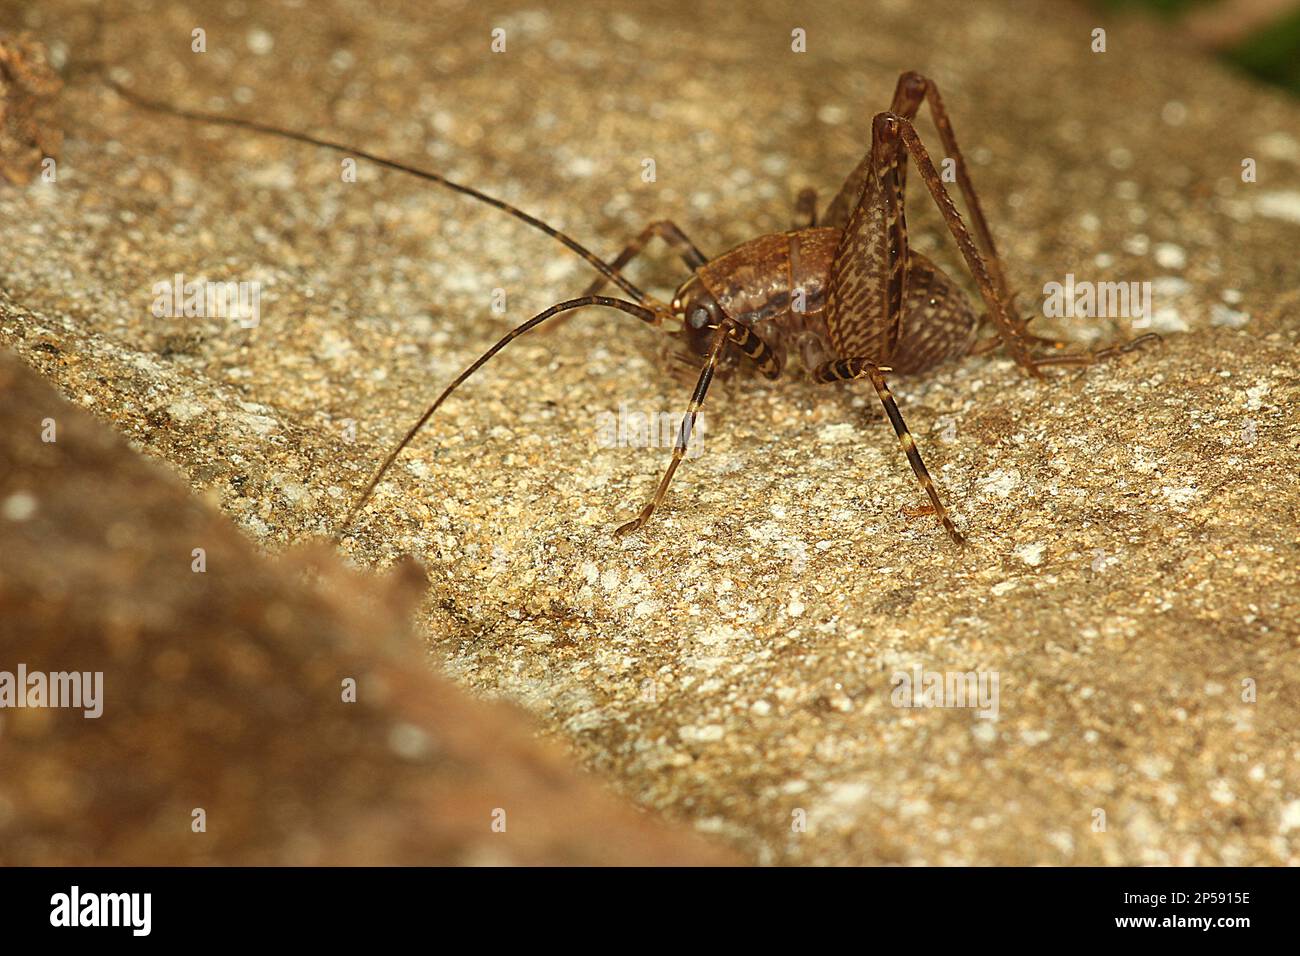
(1092, 356)
(912, 90)
(1060, 346)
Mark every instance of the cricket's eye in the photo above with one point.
(700, 318)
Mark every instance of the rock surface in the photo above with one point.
(224, 730)
(1132, 570)
(29, 132)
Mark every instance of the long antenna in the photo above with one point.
(631, 308)
(254, 126)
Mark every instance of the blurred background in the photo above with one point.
(1260, 37)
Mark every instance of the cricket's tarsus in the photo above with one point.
(842, 292)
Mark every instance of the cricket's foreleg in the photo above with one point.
(756, 350)
(646, 315)
(665, 230)
(846, 370)
(805, 209)
(720, 339)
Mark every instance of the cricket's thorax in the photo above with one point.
(776, 285)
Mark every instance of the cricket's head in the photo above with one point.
(700, 314)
